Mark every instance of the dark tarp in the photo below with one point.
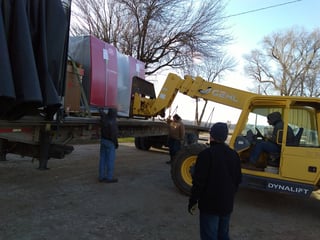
(33, 46)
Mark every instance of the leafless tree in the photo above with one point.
(289, 62)
(161, 33)
(212, 70)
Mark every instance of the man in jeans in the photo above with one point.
(215, 181)
(108, 145)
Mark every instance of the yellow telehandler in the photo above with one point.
(296, 170)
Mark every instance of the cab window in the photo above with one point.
(303, 122)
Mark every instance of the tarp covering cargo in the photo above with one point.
(33, 47)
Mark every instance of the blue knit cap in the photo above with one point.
(219, 131)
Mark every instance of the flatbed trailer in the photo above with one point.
(35, 137)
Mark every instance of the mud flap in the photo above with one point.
(3, 150)
(44, 140)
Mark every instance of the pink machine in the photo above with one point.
(108, 73)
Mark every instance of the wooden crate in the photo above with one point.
(72, 96)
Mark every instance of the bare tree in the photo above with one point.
(161, 33)
(289, 63)
(211, 69)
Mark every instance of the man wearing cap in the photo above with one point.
(215, 181)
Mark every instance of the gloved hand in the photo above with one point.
(192, 207)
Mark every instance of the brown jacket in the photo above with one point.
(176, 129)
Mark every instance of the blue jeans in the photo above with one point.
(214, 227)
(174, 147)
(263, 146)
(107, 158)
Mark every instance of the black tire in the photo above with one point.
(137, 143)
(158, 141)
(142, 143)
(145, 144)
(182, 166)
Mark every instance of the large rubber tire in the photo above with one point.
(182, 166)
(137, 143)
(142, 143)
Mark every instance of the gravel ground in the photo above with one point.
(67, 202)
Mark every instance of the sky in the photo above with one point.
(250, 21)
(266, 17)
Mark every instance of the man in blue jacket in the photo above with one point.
(215, 181)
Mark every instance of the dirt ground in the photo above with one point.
(67, 202)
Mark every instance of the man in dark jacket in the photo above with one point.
(215, 181)
(271, 144)
(108, 145)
